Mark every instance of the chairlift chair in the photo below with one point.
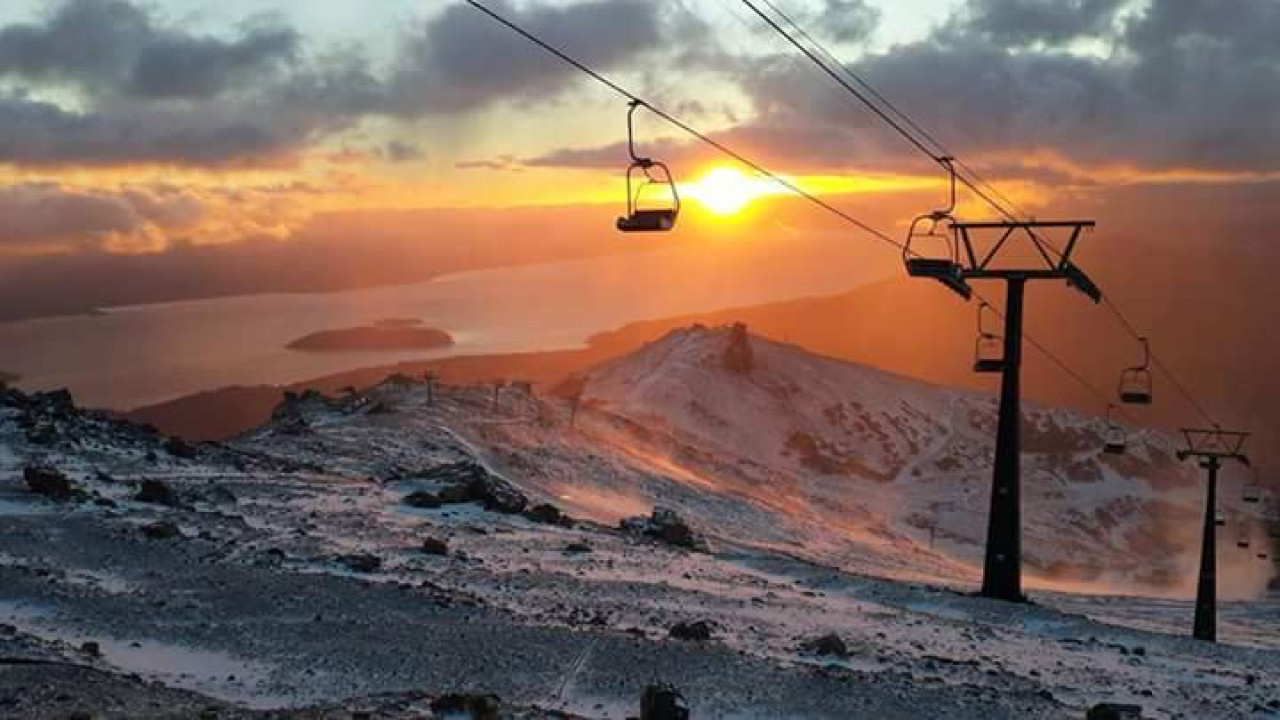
(1115, 441)
(1135, 382)
(934, 230)
(1242, 540)
(1253, 491)
(641, 216)
(1219, 518)
(989, 349)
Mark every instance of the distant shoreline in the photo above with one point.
(375, 338)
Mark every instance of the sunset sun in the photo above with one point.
(726, 191)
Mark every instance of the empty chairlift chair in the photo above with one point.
(989, 350)
(931, 249)
(648, 215)
(1135, 382)
(1115, 441)
(1219, 518)
(1252, 492)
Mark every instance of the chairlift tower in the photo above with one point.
(1211, 448)
(1002, 566)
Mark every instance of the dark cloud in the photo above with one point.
(1186, 88)
(112, 47)
(1023, 22)
(847, 21)
(441, 69)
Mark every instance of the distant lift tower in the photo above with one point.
(1015, 252)
(1211, 448)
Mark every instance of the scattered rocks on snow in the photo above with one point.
(50, 483)
(697, 631)
(477, 707)
(827, 645)
(434, 546)
(217, 495)
(362, 562)
(157, 492)
(422, 499)
(161, 530)
(665, 525)
(1114, 711)
(663, 702)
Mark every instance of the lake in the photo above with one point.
(132, 356)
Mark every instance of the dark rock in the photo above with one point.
(92, 649)
(422, 499)
(477, 707)
(665, 525)
(548, 514)
(434, 546)
(362, 562)
(469, 482)
(48, 482)
(577, 547)
(161, 530)
(180, 448)
(1113, 711)
(663, 702)
(697, 631)
(738, 357)
(829, 644)
(157, 492)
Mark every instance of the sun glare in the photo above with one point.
(726, 191)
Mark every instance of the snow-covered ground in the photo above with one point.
(817, 485)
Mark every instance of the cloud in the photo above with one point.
(113, 48)
(1184, 88)
(60, 217)
(1023, 22)
(440, 72)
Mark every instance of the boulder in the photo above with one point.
(476, 707)
(548, 514)
(48, 482)
(1114, 711)
(362, 562)
(665, 525)
(827, 645)
(468, 481)
(161, 530)
(577, 547)
(422, 499)
(157, 492)
(663, 702)
(697, 631)
(180, 448)
(435, 546)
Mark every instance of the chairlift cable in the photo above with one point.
(729, 152)
(940, 151)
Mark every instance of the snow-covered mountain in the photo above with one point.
(763, 443)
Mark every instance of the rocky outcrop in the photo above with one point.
(667, 526)
(738, 357)
(662, 701)
(829, 645)
(696, 631)
(467, 482)
(49, 483)
(157, 492)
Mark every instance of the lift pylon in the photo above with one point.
(982, 251)
(1211, 448)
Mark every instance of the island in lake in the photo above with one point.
(374, 338)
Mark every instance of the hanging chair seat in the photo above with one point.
(648, 221)
(988, 365)
(1136, 397)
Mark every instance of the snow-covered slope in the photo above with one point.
(765, 444)
(844, 452)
